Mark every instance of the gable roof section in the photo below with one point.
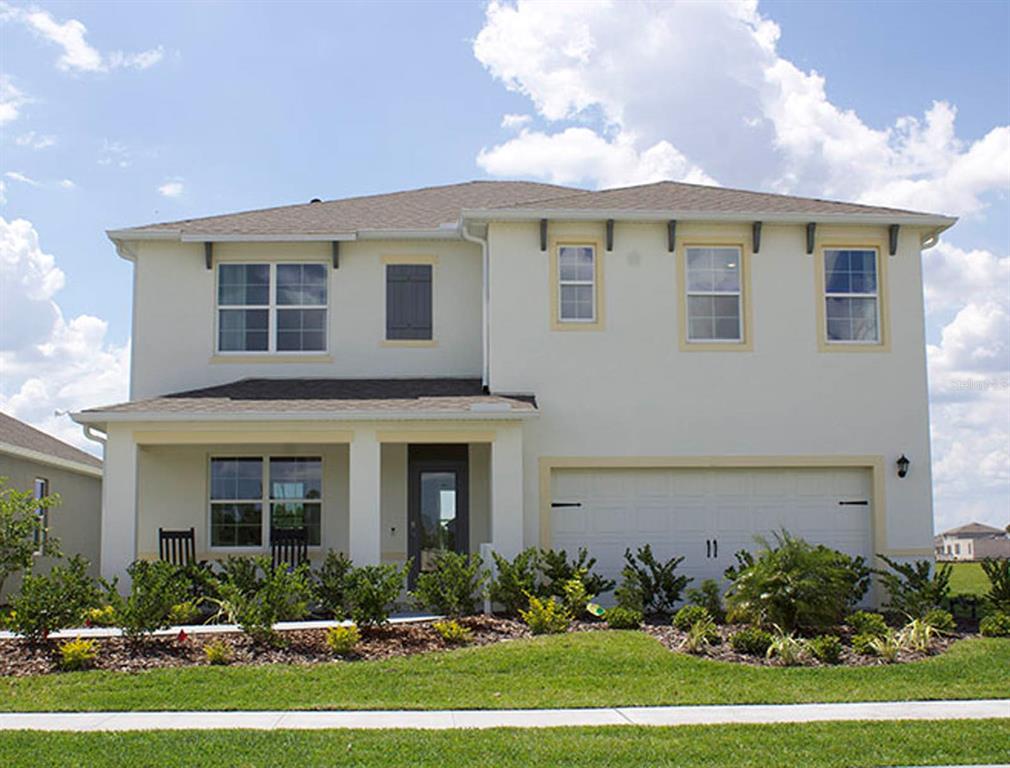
(975, 529)
(19, 439)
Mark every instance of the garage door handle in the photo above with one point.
(863, 503)
(556, 504)
(708, 547)
(715, 547)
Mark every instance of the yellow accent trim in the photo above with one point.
(410, 258)
(277, 357)
(394, 557)
(237, 437)
(433, 436)
(571, 325)
(746, 315)
(823, 345)
(408, 343)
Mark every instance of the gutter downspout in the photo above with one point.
(485, 302)
(95, 434)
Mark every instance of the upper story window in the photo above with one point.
(408, 302)
(576, 284)
(40, 490)
(714, 294)
(271, 307)
(851, 296)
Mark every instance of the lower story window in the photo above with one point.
(241, 488)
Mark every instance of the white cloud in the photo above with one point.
(78, 55)
(114, 153)
(3, 192)
(33, 140)
(172, 188)
(67, 184)
(50, 363)
(20, 177)
(515, 121)
(11, 100)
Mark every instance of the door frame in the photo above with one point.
(450, 457)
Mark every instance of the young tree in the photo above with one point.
(22, 529)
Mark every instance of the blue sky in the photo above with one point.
(213, 107)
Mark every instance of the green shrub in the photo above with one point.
(709, 597)
(995, 625)
(914, 589)
(686, 617)
(100, 617)
(282, 594)
(202, 583)
(795, 585)
(940, 620)
(20, 529)
(372, 590)
(574, 597)
(452, 632)
(753, 641)
(53, 601)
(185, 612)
(453, 586)
(342, 640)
(242, 573)
(218, 653)
(886, 647)
(998, 573)
(867, 623)
(155, 588)
(700, 635)
(331, 583)
(826, 648)
(863, 643)
(516, 579)
(917, 635)
(557, 570)
(620, 617)
(657, 582)
(77, 654)
(787, 648)
(547, 616)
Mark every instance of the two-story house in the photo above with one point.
(524, 364)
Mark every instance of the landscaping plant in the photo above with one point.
(452, 632)
(185, 612)
(454, 585)
(825, 648)
(218, 653)
(282, 594)
(998, 573)
(940, 620)
(918, 635)
(863, 643)
(657, 581)
(100, 617)
(557, 570)
(914, 589)
(867, 623)
(53, 601)
(342, 640)
(242, 573)
(709, 597)
(331, 583)
(21, 529)
(687, 616)
(620, 617)
(700, 635)
(156, 587)
(753, 641)
(372, 590)
(574, 596)
(887, 647)
(795, 585)
(516, 579)
(77, 654)
(995, 625)
(546, 616)
(787, 648)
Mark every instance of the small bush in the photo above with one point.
(218, 653)
(867, 623)
(700, 635)
(372, 590)
(657, 582)
(914, 589)
(342, 640)
(574, 597)
(453, 586)
(753, 641)
(281, 594)
(155, 588)
(886, 647)
(620, 617)
(917, 635)
(940, 620)
(331, 583)
(242, 573)
(53, 601)
(20, 527)
(863, 643)
(995, 625)
(709, 597)
(516, 579)
(825, 648)
(100, 617)
(547, 616)
(77, 654)
(183, 613)
(557, 570)
(452, 632)
(785, 647)
(998, 573)
(687, 616)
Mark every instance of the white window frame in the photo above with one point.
(264, 501)
(875, 296)
(562, 283)
(272, 307)
(42, 513)
(688, 293)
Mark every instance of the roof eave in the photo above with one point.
(448, 231)
(49, 460)
(100, 418)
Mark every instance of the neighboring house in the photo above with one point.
(31, 460)
(523, 364)
(974, 541)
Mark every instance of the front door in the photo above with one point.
(438, 504)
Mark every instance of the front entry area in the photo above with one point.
(438, 503)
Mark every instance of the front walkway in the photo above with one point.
(509, 718)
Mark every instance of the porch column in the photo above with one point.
(507, 491)
(119, 505)
(364, 524)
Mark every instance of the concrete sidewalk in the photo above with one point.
(509, 718)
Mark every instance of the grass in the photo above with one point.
(968, 579)
(815, 745)
(591, 669)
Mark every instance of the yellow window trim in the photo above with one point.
(557, 324)
(747, 344)
(823, 345)
(435, 436)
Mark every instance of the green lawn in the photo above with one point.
(968, 579)
(590, 669)
(817, 745)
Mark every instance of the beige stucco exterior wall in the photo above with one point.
(76, 522)
(174, 314)
(629, 390)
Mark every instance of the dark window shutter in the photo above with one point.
(408, 301)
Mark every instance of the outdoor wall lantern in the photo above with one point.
(902, 463)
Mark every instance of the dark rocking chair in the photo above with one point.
(289, 546)
(177, 547)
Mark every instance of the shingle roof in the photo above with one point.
(974, 529)
(262, 396)
(20, 435)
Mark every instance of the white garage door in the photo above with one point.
(706, 515)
